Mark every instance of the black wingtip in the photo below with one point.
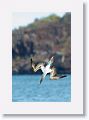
(62, 76)
(31, 61)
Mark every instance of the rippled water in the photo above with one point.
(26, 88)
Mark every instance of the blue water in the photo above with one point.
(26, 88)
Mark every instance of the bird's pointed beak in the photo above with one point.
(40, 81)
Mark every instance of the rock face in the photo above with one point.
(42, 39)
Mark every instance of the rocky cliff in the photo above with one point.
(42, 39)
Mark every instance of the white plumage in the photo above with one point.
(46, 69)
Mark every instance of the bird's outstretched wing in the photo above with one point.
(53, 74)
(36, 67)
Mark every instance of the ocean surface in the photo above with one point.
(27, 88)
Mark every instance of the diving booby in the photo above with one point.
(46, 69)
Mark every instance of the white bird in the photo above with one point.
(46, 69)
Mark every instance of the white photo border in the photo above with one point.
(6, 10)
